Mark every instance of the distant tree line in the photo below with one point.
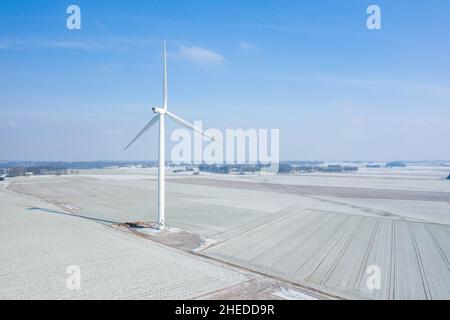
(231, 168)
(393, 164)
(18, 168)
(303, 162)
(287, 168)
(370, 165)
(76, 164)
(36, 170)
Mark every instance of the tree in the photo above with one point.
(395, 164)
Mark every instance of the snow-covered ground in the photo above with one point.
(320, 230)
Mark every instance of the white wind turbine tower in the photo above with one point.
(161, 112)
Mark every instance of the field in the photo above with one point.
(315, 234)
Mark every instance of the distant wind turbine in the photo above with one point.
(160, 113)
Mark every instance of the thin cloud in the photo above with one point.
(355, 120)
(30, 43)
(9, 124)
(75, 45)
(246, 46)
(200, 55)
(115, 43)
(432, 89)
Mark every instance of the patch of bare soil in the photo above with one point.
(170, 236)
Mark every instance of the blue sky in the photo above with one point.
(335, 89)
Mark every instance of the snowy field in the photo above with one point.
(37, 247)
(321, 231)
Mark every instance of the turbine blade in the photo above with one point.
(165, 79)
(190, 126)
(147, 126)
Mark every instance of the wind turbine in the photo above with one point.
(161, 112)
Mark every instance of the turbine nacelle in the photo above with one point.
(159, 110)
